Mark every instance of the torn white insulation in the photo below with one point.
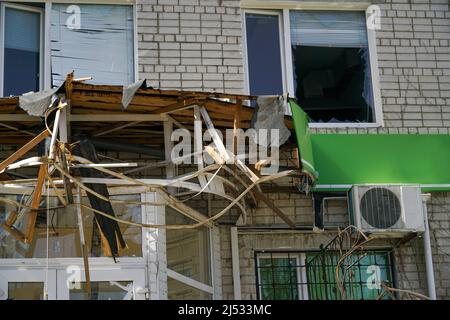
(36, 103)
(129, 92)
(269, 114)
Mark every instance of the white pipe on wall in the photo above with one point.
(428, 252)
(235, 263)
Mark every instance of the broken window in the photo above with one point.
(187, 249)
(304, 275)
(25, 290)
(64, 237)
(264, 54)
(22, 41)
(92, 40)
(104, 290)
(188, 256)
(330, 58)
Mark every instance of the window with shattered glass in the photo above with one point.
(63, 230)
(331, 65)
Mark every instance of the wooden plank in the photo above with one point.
(112, 117)
(23, 150)
(225, 107)
(180, 105)
(68, 85)
(84, 247)
(158, 92)
(8, 226)
(216, 139)
(17, 129)
(19, 117)
(35, 203)
(14, 232)
(109, 129)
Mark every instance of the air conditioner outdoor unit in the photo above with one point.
(386, 210)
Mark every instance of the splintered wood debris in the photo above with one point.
(70, 167)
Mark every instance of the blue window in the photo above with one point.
(21, 49)
(265, 74)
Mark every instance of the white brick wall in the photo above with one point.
(191, 44)
(196, 45)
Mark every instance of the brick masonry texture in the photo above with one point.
(197, 45)
(191, 44)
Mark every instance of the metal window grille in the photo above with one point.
(312, 275)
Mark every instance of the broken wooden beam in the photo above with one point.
(23, 150)
(35, 203)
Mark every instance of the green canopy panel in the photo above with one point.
(343, 160)
(303, 135)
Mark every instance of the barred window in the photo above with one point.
(312, 275)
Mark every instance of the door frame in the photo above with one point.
(136, 276)
(28, 275)
(133, 269)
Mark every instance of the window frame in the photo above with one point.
(45, 54)
(104, 261)
(301, 270)
(196, 284)
(279, 14)
(150, 214)
(254, 6)
(302, 289)
(41, 11)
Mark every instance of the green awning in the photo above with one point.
(343, 160)
(303, 135)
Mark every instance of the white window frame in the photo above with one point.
(281, 27)
(42, 70)
(153, 260)
(205, 287)
(301, 271)
(98, 265)
(136, 276)
(23, 275)
(257, 6)
(45, 56)
(101, 260)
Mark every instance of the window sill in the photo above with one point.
(345, 125)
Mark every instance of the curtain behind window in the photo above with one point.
(21, 55)
(341, 29)
(328, 28)
(102, 46)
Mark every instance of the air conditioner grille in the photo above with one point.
(380, 207)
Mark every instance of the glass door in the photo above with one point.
(106, 284)
(25, 284)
